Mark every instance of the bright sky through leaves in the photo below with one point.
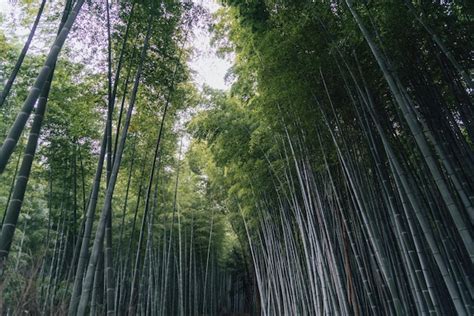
(209, 69)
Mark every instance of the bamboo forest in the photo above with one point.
(237, 157)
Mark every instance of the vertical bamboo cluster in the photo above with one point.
(145, 252)
(366, 206)
(334, 178)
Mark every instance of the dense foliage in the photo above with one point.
(347, 153)
(334, 177)
(166, 227)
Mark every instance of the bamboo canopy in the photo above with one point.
(333, 177)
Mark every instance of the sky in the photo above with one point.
(208, 68)
(4, 7)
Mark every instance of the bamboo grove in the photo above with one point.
(335, 177)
